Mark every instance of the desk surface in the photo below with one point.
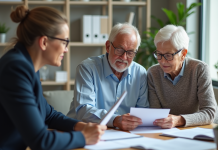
(156, 135)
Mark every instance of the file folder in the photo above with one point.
(95, 29)
(104, 29)
(86, 23)
(130, 17)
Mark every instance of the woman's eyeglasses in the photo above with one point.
(67, 41)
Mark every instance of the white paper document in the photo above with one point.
(110, 135)
(152, 130)
(105, 145)
(110, 113)
(194, 133)
(125, 143)
(182, 144)
(149, 115)
(147, 142)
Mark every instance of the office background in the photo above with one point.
(78, 54)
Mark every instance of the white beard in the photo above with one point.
(113, 65)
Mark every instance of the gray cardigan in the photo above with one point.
(192, 97)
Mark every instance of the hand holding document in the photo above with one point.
(149, 115)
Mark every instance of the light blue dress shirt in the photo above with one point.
(177, 78)
(97, 89)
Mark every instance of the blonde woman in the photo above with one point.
(42, 38)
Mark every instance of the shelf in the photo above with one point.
(89, 3)
(86, 44)
(11, 3)
(52, 83)
(72, 82)
(129, 3)
(47, 2)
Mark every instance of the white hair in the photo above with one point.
(124, 28)
(175, 34)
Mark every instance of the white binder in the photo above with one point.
(95, 29)
(104, 29)
(130, 17)
(86, 23)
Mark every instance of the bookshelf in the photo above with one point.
(107, 9)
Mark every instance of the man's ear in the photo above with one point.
(184, 53)
(107, 44)
(43, 42)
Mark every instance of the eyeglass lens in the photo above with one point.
(120, 52)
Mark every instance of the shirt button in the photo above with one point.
(117, 97)
(117, 110)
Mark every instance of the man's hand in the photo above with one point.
(127, 122)
(170, 122)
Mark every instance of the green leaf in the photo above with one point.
(160, 22)
(193, 5)
(189, 33)
(3, 28)
(180, 9)
(171, 16)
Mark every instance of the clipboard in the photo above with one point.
(110, 113)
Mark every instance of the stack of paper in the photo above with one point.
(110, 135)
(124, 143)
(113, 139)
(194, 133)
(178, 144)
(152, 130)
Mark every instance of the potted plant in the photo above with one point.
(3, 31)
(216, 66)
(147, 47)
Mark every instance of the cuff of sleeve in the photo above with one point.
(79, 139)
(111, 121)
(188, 121)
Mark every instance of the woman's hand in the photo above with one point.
(170, 122)
(92, 132)
(79, 126)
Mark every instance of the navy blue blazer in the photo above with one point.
(24, 113)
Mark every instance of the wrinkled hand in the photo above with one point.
(92, 132)
(170, 122)
(127, 122)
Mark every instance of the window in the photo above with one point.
(208, 50)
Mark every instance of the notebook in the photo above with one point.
(194, 133)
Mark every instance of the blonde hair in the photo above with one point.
(40, 21)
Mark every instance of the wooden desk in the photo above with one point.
(156, 135)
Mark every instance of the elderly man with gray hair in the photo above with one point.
(101, 80)
(180, 83)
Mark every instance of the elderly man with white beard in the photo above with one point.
(101, 80)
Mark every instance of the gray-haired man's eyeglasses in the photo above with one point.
(168, 57)
(120, 52)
